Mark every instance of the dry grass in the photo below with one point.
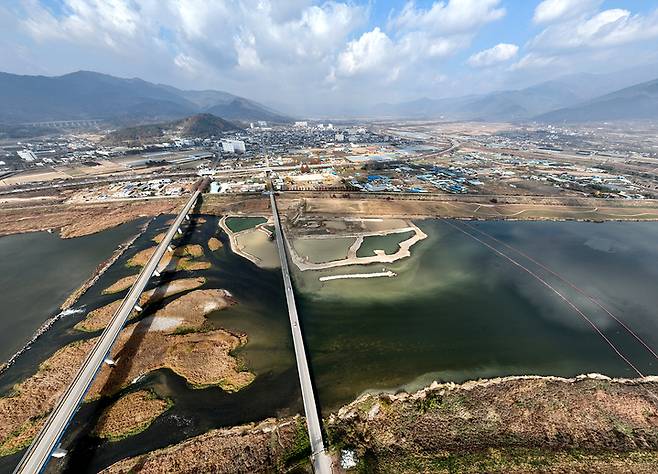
(130, 414)
(99, 318)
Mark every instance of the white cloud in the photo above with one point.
(552, 10)
(607, 28)
(314, 52)
(415, 41)
(456, 16)
(368, 53)
(96, 21)
(500, 53)
(534, 61)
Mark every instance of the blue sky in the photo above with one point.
(309, 56)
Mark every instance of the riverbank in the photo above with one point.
(76, 220)
(269, 446)
(511, 424)
(101, 269)
(252, 242)
(587, 424)
(84, 219)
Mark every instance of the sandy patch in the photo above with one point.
(99, 318)
(214, 244)
(120, 285)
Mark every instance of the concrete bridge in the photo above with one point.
(82, 123)
(319, 457)
(46, 443)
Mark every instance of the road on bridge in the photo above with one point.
(319, 457)
(43, 446)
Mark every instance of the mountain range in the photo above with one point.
(90, 95)
(631, 103)
(623, 95)
(571, 98)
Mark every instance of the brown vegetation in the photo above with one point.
(266, 447)
(27, 406)
(130, 414)
(214, 244)
(120, 285)
(153, 343)
(100, 317)
(509, 425)
(83, 219)
(142, 257)
(158, 238)
(182, 258)
(516, 424)
(479, 207)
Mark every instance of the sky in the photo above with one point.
(305, 56)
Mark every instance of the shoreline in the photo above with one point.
(65, 308)
(446, 425)
(235, 248)
(403, 252)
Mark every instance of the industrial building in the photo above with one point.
(233, 146)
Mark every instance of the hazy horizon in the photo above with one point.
(311, 58)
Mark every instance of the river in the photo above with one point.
(457, 310)
(39, 270)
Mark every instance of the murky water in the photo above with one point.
(456, 310)
(389, 243)
(238, 224)
(37, 273)
(323, 250)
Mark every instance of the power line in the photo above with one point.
(571, 284)
(548, 285)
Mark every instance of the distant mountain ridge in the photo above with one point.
(91, 95)
(631, 103)
(537, 102)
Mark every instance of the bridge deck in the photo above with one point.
(39, 452)
(321, 461)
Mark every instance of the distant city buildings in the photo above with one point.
(27, 155)
(233, 146)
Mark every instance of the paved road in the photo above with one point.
(39, 452)
(320, 459)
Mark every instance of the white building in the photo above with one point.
(262, 123)
(233, 146)
(340, 137)
(27, 155)
(301, 124)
